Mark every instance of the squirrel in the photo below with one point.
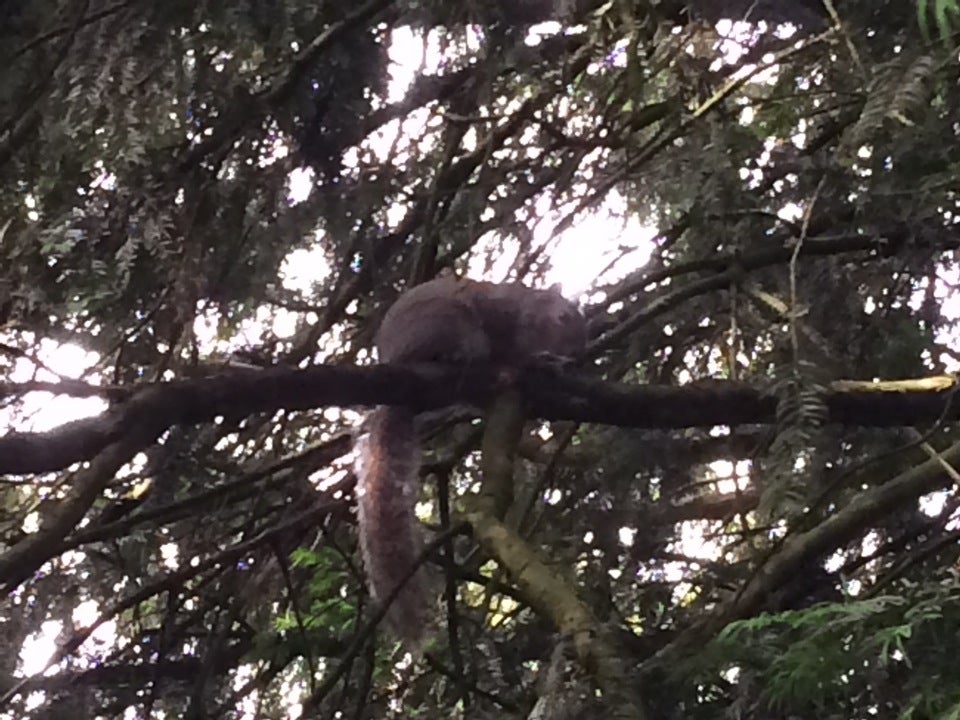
(444, 319)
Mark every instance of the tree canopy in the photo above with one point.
(741, 503)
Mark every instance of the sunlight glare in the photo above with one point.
(932, 504)
(303, 268)
(38, 649)
(408, 52)
(693, 544)
(601, 246)
(170, 555)
(300, 184)
(43, 410)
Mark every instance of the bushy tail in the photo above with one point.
(390, 535)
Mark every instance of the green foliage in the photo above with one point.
(187, 182)
(822, 656)
(899, 90)
(792, 457)
(325, 604)
(946, 16)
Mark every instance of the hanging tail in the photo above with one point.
(390, 534)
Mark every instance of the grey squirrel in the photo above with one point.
(445, 319)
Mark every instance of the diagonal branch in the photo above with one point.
(172, 580)
(797, 551)
(542, 587)
(546, 591)
(26, 556)
(727, 269)
(247, 108)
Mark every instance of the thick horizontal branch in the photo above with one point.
(548, 394)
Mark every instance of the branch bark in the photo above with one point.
(555, 597)
(26, 556)
(797, 551)
(547, 394)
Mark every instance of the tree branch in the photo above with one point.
(19, 562)
(797, 551)
(239, 393)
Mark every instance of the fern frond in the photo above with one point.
(801, 413)
(898, 90)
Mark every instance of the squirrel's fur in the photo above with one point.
(445, 319)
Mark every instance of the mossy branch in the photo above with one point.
(537, 583)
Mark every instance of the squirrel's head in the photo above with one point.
(553, 325)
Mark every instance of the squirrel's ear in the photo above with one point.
(556, 288)
(446, 272)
